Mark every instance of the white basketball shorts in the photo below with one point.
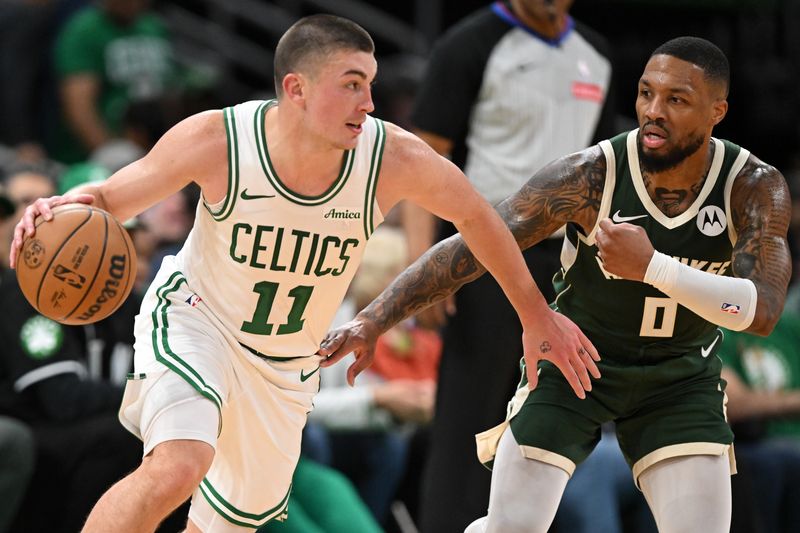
(262, 405)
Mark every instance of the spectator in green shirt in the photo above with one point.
(106, 57)
(763, 375)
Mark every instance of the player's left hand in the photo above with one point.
(554, 337)
(357, 336)
(624, 249)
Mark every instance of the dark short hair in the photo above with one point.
(702, 53)
(315, 36)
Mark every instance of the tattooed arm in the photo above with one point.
(761, 209)
(567, 190)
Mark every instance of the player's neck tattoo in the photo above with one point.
(673, 202)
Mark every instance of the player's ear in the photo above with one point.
(718, 110)
(294, 88)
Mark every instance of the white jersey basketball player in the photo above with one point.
(228, 336)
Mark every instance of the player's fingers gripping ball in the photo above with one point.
(79, 267)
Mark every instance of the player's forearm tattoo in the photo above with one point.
(568, 190)
(431, 278)
(761, 210)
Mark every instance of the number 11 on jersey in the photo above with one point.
(267, 290)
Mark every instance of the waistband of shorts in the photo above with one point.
(272, 357)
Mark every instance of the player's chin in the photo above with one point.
(346, 143)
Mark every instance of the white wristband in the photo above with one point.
(722, 300)
(662, 272)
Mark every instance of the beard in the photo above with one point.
(655, 163)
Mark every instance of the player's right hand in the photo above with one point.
(43, 206)
(357, 337)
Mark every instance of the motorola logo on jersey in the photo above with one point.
(711, 221)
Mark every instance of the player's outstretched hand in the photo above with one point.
(44, 207)
(357, 336)
(557, 339)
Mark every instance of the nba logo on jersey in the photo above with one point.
(193, 300)
(731, 309)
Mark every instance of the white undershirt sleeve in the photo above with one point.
(725, 301)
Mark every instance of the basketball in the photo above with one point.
(79, 267)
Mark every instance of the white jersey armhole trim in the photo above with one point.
(372, 213)
(569, 251)
(223, 208)
(738, 164)
(608, 188)
(215, 208)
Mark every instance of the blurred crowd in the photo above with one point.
(89, 87)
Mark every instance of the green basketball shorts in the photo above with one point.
(668, 408)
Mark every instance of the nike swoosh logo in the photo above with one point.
(304, 377)
(705, 352)
(617, 218)
(245, 196)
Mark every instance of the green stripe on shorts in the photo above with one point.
(161, 347)
(237, 516)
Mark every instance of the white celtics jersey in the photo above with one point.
(274, 265)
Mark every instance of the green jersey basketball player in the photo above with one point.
(670, 234)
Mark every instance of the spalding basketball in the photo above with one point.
(79, 267)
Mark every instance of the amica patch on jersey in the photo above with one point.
(341, 213)
(41, 337)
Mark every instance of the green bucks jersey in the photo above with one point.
(630, 319)
(274, 265)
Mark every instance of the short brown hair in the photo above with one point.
(315, 36)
